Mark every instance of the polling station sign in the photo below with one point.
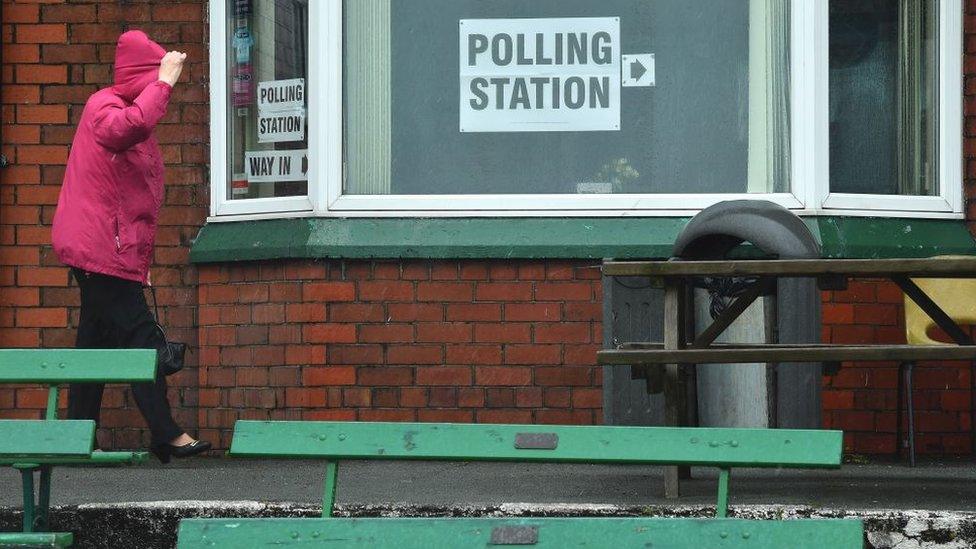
(281, 111)
(540, 75)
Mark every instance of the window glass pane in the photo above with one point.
(525, 97)
(884, 97)
(266, 106)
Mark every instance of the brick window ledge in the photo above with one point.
(538, 238)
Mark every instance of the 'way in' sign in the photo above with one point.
(272, 166)
(522, 75)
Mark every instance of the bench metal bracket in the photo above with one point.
(514, 535)
(329, 494)
(536, 441)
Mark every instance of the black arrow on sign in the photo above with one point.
(637, 70)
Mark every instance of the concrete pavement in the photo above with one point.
(932, 486)
(932, 506)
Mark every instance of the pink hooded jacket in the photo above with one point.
(106, 217)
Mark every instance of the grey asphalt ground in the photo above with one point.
(943, 486)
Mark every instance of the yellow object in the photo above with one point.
(956, 296)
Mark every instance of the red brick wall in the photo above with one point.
(455, 341)
(862, 398)
(55, 54)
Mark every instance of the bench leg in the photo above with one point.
(722, 505)
(328, 497)
(27, 478)
(44, 499)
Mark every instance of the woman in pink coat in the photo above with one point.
(105, 226)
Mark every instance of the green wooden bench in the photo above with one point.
(554, 533)
(724, 449)
(39, 445)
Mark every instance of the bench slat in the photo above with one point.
(23, 439)
(408, 533)
(589, 444)
(96, 459)
(77, 365)
(36, 540)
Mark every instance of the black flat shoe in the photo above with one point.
(166, 451)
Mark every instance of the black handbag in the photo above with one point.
(170, 358)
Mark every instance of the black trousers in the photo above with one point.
(114, 315)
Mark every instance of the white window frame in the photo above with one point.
(222, 208)
(949, 202)
(810, 160)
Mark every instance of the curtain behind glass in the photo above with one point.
(769, 98)
(917, 100)
(368, 98)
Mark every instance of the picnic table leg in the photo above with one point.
(909, 397)
(328, 498)
(675, 393)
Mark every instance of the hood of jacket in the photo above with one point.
(137, 60)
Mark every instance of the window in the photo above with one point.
(574, 107)
(266, 110)
(894, 105)
(883, 87)
(701, 128)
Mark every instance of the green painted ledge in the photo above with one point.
(536, 238)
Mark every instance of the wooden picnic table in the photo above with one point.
(682, 348)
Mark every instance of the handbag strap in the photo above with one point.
(152, 290)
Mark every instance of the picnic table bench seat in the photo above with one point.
(724, 449)
(38, 445)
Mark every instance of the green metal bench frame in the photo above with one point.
(36, 540)
(721, 448)
(53, 367)
(540, 533)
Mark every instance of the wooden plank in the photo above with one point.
(728, 316)
(23, 439)
(580, 444)
(77, 365)
(959, 267)
(636, 345)
(788, 353)
(36, 540)
(541, 533)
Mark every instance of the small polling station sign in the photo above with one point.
(274, 166)
(281, 111)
